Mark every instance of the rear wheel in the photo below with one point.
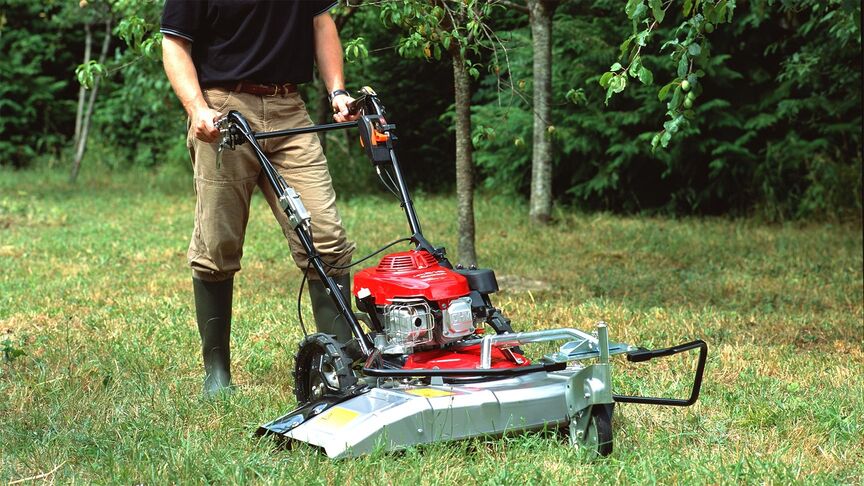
(598, 436)
(321, 367)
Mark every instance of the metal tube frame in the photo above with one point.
(238, 131)
(301, 230)
(519, 338)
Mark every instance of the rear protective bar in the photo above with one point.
(643, 355)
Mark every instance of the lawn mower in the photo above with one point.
(432, 359)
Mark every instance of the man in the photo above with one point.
(225, 55)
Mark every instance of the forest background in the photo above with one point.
(775, 131)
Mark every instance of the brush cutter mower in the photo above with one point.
(432, 359)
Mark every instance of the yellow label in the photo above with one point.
(429, 392)
(338, 417)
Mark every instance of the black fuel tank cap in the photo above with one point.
(480, 279)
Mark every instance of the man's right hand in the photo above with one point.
(204, 124)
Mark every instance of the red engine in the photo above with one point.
(421, 306)
(410, 274)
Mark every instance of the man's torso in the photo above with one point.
(232, 40)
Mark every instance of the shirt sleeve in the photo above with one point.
(323, 6)
(183, 18)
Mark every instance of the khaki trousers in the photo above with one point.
(223, 193)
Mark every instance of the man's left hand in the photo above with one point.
(340, 108)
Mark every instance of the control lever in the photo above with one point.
(356, 105)
(225, 139)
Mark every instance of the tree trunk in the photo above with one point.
(82, 92)
(464, 163)
(540, 14)
(81, 146)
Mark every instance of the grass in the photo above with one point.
(94, 290)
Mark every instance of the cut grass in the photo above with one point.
(95, 290)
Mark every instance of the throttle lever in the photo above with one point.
(356, 105)
(228, 138)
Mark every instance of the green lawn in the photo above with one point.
(95, 290)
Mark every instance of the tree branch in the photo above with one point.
(515, 6)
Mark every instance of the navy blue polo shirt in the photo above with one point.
(269, 42)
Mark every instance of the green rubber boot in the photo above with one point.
(213, 312)
(328, 319)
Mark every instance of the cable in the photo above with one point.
(388, 245)
(300, 300)
(335, 267)
(385, 184)
(389, 176)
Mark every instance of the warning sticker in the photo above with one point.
(337, 417)
(429, 392)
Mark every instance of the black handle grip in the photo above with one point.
(643, 355)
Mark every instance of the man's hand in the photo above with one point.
(340, 108)
(203, 124)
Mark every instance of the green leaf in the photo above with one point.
(635, 64)
(631, 8)
(616, 67)
(721, 10)
(694, 49)
(645, 76)
(683, 66)
(625, 45)
(618, 83)
(639, 14)
(665, 138)
(677, 99)
(604, 80)
(642, 37)
(576, 96)
(657, 9)
(664, 91)
(688, 4)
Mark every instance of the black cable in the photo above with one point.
(339, 267)
(379, 250)
(300, 300)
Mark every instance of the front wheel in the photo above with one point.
(321, 367)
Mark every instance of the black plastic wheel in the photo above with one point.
(598, 437)
(321, 367)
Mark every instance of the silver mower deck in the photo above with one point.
(395, 415)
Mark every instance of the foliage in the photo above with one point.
(140, 120)
(433, 28)
(763, 137)
(415, 94)
(689, 48)
(775, 128)
(36, 95)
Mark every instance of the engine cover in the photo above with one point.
(413, 273)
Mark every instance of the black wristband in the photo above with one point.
(338, 92)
